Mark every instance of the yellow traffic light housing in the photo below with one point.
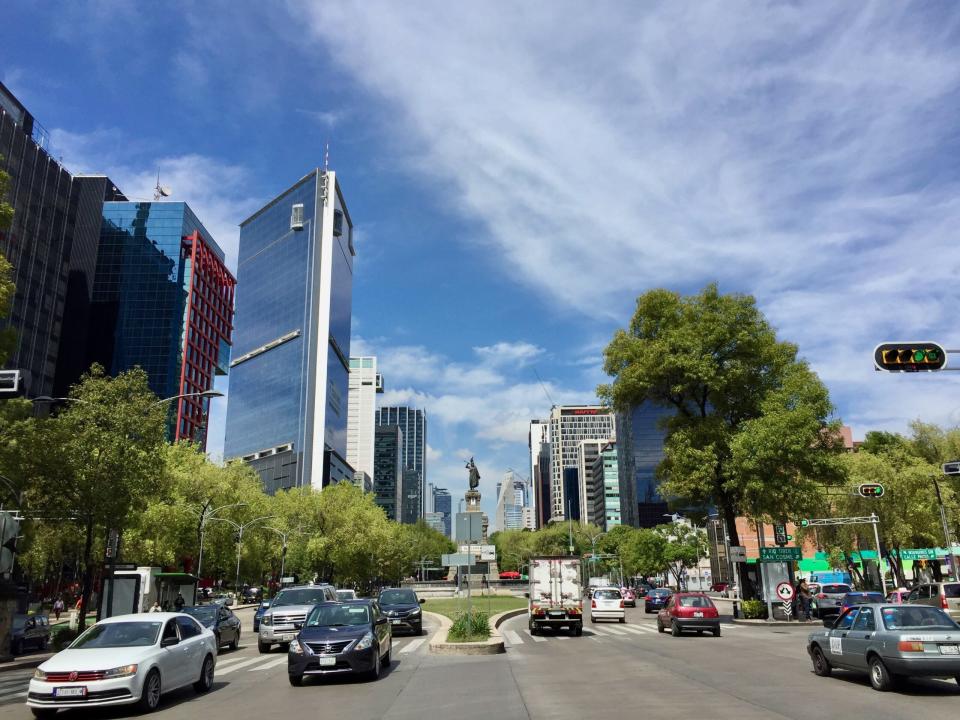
(909, 357)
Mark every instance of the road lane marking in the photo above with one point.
(637, 629)
(535, 638)
(242, 663)
(271, 664)
(12, 696)
(611, 631)
(411, 646)
(514, 637)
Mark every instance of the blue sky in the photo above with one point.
(519, 173)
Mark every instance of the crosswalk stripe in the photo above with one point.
(13, 683)
(11, 696)
(513, 637)
(599, 630)
(563, 637)
(609, 631)
(231, 660)
(535, 638)
(242, 663)
(271, 664)
(637, 629)
(411, 646)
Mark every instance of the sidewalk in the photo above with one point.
(25, 661)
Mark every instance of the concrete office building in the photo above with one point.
(364, 385)
(388, 469)
(363, 481)
(287, 412)
(591, 486)
(435, 520)
(413, 424)
(569, 426)
(511, 500)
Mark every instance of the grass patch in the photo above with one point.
(491, 605)
(470, 627)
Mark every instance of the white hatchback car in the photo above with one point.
(607, 604)
(125, 660)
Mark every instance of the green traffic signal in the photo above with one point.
(909, 357)
(804, 523)
(872, 490)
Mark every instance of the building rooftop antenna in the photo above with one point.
(326, 156)
(543, 387)
(160, 191)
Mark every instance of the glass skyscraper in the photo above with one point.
(163, 301)
(640, 441)
(287, 410)
(413, 424)
(388, 470)
(443, 505)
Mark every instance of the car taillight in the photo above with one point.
(821, 596)
(593, 603)
(943, 602)
(910, 646)
(621, 603)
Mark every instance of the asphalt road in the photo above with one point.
(747, 673)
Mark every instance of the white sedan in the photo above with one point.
(125, 660)
(607, 604)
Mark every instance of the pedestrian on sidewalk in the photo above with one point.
(58, 608)
(805, 598)
(179, 602)
(156, 607)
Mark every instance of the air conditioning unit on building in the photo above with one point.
(11, 384)
(296, 217)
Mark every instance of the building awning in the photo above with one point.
(182, 578)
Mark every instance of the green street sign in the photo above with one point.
(780, 554)
(919, 554)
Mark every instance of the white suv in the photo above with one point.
(288, 611)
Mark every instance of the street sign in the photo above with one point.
(952, 468)
(738, 553)
(919, 554)
(788, 608)
(871, 490)
(779, 534)
(785, 592)
(469, 527)
(484, 553)
(456, 559)
(912, 356)
(780, 554)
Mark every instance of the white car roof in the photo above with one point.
(142, 617)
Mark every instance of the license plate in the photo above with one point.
(327, 662)
(557, 614)
(70, 692)
(287, 636)
(698, 614)
(395, 622)
(950, 649)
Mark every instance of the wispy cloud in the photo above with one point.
(326, 118)
(802, 153)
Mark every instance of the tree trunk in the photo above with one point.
(87, 575)
(897, 564)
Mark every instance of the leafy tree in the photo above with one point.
(684, 547)
(100, 458)
(644, 553)
(751, 432)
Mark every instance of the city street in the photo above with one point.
(749, 672)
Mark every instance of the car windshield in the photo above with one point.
(952, 590)
(864, 597)
(118, 634)
(697, 601)
(338, 615)
(397, 597)
(660, 593)
(346, 594)
(911, 617)
(204, 613)
(300, 596)
(607, 594)
(835, 589)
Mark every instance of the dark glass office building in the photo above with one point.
(413, 424)
(640, 441)
(42, 244)
(287, 410)
(163, 301)
(388, 469)
(443, 504)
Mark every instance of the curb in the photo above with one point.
(774, 623)
(439, 645)
(24, 664)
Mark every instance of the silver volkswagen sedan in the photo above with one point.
(889, 643)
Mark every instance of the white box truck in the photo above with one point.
(556, 594)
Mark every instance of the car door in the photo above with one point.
(666, 613)
(859, 638)
(193, 646)
(227, 630)
(234, 623)
(381, 628)
(839, 648)
(172, 658)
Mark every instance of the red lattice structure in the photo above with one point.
(208, 324)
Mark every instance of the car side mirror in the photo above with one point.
(169, 642)
(526, 594)
(422, 601)
(828, 623)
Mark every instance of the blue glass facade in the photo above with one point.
(288, 387)
(640, 442)
(140, 289)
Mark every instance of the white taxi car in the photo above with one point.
(607, 604)
(125, 660)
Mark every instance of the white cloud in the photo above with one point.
(506, 353)
(326, 118)
(801, 153)
(433, 454)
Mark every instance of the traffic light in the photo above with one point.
(871, 490)
(9, 533)
(909, 357)
(804, 522)
(952, 468)
(780, 534)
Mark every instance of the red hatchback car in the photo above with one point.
(689, 611)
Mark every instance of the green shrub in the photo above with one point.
(754, 609)
(470, 627)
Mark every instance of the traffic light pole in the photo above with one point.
(871, 519)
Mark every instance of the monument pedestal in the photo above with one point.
(473, 500)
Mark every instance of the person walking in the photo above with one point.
(179, 602)
(58, 608)
(805, 598)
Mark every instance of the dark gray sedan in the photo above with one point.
(889, 643)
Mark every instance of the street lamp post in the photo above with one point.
(593, 550)
(283, 551)
(240, 527)
(206, 516)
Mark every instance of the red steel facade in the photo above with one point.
(207, 328)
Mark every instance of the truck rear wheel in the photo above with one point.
(578, 629)
(534, 630)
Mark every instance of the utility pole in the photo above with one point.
(946, 533)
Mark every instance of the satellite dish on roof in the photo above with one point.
(164, 191)
(161, 191)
